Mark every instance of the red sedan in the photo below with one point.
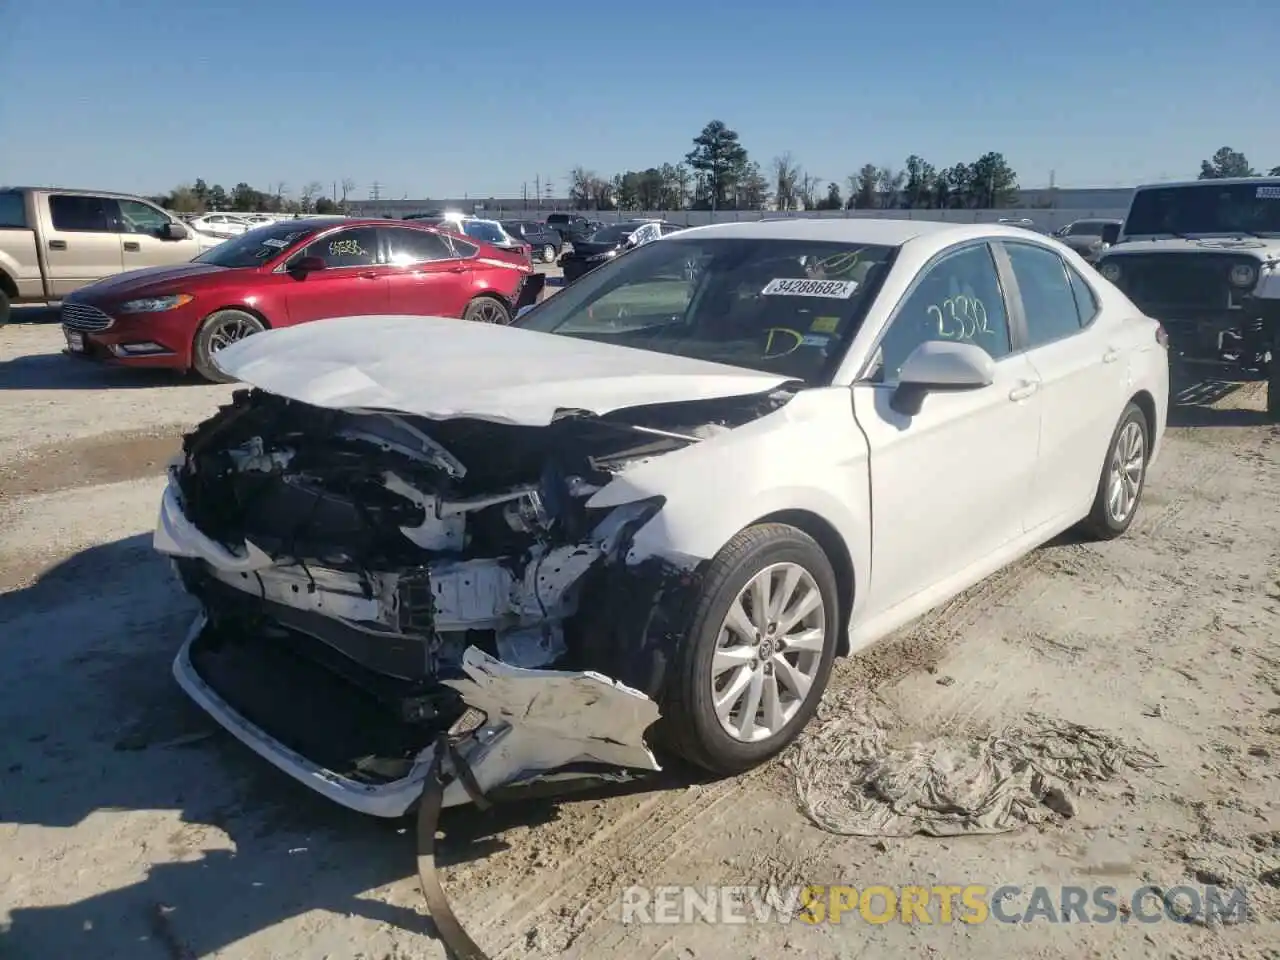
(286, 273)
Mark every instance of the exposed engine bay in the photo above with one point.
(372, 580)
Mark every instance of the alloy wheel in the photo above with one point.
(768, 652)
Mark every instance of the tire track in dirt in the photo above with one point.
(574, 898)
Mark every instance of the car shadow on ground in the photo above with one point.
(56, 371)
(96, 726)
(1196, 389)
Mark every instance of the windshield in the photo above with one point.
(613, 234)
(1085, 228)
(1207, 208)
(255, 247)
(484, 231)
(789, 307)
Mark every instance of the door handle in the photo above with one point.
(369, 276)
(458, 269)
(57, 244)
(1023, 390)
(1111, 356)
(132, 245)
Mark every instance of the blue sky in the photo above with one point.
(479, 98)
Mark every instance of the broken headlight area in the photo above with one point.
(358, 569)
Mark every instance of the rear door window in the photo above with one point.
(81, 214)
(405, 247)
(1048, 298)
(13, 211)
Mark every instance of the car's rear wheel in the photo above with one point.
(5, 309)
(487, 310)
(218, 331)
(548, 253)
(756, 658)
(1124, 474)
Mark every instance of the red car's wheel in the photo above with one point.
(221, 329)
(487, 310)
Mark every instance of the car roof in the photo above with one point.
(1216, 181)
(874, 230)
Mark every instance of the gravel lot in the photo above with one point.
(131, 827)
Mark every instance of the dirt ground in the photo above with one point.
(131, 827)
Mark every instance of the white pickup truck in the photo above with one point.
(53, 241)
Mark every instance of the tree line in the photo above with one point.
(1230, 163)
(719, 174)
(200, 197)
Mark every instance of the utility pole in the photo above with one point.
(537, 187)
(524, 193)
(375, 191)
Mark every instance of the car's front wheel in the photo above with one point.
(219, 330)
(1124, 475)
(750, 671)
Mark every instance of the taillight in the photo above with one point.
(1162, 337)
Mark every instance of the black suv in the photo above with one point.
(572, 227)
(545, 241)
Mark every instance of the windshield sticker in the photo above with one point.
(1268, 193)
(781, 341)
(814, 340)
(837, 264)
(289, 238)
(960, 318)
(273, 242)
(348, 247)
(828, 289)
(824, 325)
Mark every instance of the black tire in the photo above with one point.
(548, 253)
(689, 725)
(1102, 522)
(213, 330)
(487, 310)
(5, 308)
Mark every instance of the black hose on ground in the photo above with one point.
(449, 929)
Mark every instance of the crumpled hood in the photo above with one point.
(149, 281)
(1264, 248)
(442, 369)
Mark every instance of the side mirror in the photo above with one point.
(304, 265)
(173, 231)
(941, 365)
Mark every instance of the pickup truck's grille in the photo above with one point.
(81, 316)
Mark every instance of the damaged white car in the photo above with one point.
(648, 515)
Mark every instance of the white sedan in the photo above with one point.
(648, 515)
(221, 224)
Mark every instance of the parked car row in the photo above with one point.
(608, 243)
